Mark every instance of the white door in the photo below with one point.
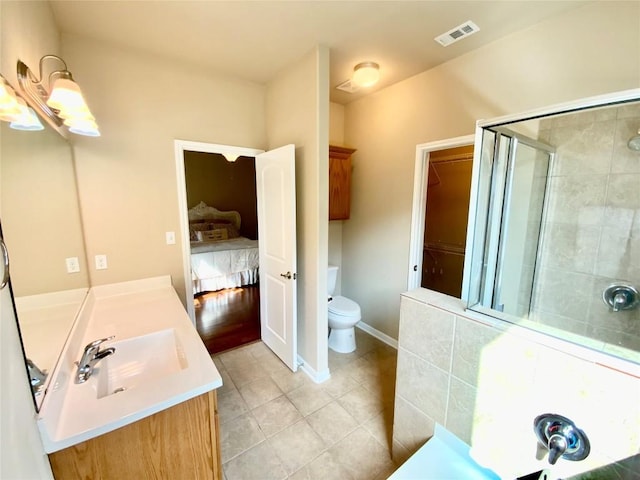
(276, 191)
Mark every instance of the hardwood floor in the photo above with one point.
(228, 318)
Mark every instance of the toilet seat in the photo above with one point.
(344, 307)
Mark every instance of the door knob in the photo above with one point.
(286, 275)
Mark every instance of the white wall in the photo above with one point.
(297, 111)
(590, 50)
(28, 32)
(127, 178)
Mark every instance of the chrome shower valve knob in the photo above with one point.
(561, 437)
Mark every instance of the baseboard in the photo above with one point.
(383, 337)
(317, 377)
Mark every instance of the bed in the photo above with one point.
(220, 257)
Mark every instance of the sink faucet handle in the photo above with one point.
(97, 343)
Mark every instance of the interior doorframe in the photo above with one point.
(419, 210)
(180, 146)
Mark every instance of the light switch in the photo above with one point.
(101, 262)
(171, 238)
(73, 264)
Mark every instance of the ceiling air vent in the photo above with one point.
(348, 86)
(457, 33)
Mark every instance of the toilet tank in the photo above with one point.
(332, 276)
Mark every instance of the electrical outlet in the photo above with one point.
(171, 238)
(73, 264)
(101, 262)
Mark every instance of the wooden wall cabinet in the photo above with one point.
(339, 182)
(180, 442)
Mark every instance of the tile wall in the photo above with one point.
(592, 231)
(486, 381)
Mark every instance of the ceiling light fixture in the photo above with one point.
(61, 101)
(366, 74)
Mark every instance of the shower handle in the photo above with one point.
(621, 297)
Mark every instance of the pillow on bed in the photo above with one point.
(199, 232)
(231, 230)
(212, 235)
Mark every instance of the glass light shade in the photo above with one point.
(27, 119)
(76, 115)
(66, 95)
(366, 74)
(87, 127)
(9, 106)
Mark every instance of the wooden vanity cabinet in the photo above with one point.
(180, 442)
(339, 182)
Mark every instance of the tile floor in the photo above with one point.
(277, 425)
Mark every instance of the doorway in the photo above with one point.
(422, 254)
(275, 194)
(221, 196)
(222, 303)
(447, 209)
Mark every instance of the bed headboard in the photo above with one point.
(202, 211)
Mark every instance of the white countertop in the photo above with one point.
(72, 413)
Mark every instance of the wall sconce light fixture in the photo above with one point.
(61, 100)
(366, 74)
(16, 111)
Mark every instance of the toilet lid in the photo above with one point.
(344, 306)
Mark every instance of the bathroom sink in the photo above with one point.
(138, 361)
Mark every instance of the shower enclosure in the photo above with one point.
(557, 224)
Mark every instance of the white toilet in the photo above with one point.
(343, 316)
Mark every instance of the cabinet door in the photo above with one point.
(180, 442)
(339, 182)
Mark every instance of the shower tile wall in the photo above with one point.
(591, 237)
(486, 382)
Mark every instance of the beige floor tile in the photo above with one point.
(245, 372)
(258, 350)
(273, 365)
(364, 369)
(227, 383)
(308, 398)
(361, 404)
(340, 360)
(259, 392)
(276, 415)
(338, 430)
(296, 445)
(324, 467)
(339, 384)
(332, 423)
(239, 435)
(361, 455)
(230, 405)
(383, 387)
(381, 427)
(288, 381)
(366, 342)
(257, 463)
(236, 357)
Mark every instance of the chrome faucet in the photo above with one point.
(92, 355)
(37, 377)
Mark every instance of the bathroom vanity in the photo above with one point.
(180, 442)
(148, 410)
